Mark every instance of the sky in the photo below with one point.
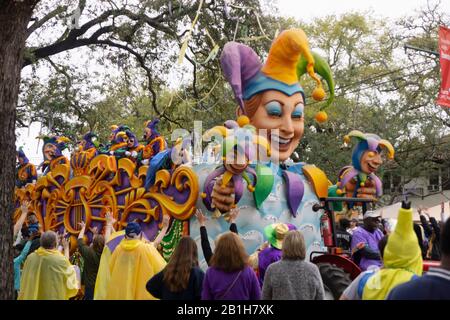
(308, 10)
(299, 9)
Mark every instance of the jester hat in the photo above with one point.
(21, 154)
(91, 139)
(367, 142)
(132, 135)
(247, 76)
(152, 126)
(59, 141)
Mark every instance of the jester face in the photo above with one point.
(282, 116)
(50, 151)
(370, 161)
(20, 160)
(147, 134)
(237, 163)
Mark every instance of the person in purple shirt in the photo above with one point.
(275, 234)
(229, 276)
(365, 242)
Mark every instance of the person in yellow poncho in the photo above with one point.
(124, 273)
(47, 273)
(402, 260)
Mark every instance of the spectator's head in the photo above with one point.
(49, 240)
(382, 245)
(445, 243)
(32, 219)
(344, 224)
(133, 230)
(178, 269)
(230, 254)
(371, 220)
(353, 223)
(275, 233)
(25, 232)
(33, 229)
(98, 243)
(294, 246)
(18, 249)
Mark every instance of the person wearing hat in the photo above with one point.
(133, 262)
(155, 142)
(402, 262)
(272, 253)
(25, 170)
(365, 240)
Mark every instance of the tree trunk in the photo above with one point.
(14, 18)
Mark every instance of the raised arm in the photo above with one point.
(162, 233)
(109, 224)
(66, 245)
(206, 247)
(19, 223)
(233, 216)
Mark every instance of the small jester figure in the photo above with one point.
(25, 170)
(155, 142)
(239, 148)
(366, 159)
(105, 149)
(85, 151)
(52, 151)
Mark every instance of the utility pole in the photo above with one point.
(407, 46)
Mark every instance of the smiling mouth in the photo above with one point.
(282, 143)
(372, 168)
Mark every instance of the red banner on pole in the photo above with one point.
(444, 52)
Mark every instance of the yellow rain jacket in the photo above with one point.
(131, 265)
(103, 274)
(48, 275)
(402, 259)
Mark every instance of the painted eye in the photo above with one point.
(371, 154)
(273, 108)
(298, 111)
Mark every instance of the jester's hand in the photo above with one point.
(223, 197)
(368, 191)
(145, 162)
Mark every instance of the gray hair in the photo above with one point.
(49, 240)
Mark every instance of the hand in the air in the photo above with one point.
(223, 197)
(200, 217)
(165, 221)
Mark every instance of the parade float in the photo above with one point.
(143, 182)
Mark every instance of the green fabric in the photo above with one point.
(91, 264)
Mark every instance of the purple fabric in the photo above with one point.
(295, 190)
(347, 177)
(378, 184)
(371, 240)
(372, 143)
(217, 282)
(265, 258)
(239, 64)
(238, 183)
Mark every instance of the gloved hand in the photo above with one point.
(111, 153)
(134, 154)
(145, 162)
(127, 153)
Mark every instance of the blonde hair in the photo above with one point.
(294, 246)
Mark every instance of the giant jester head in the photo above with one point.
(270, 94)
(53, 146)
(150, 131)
(21, 157)
(367, 154)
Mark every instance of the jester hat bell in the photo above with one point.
(247, 76)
